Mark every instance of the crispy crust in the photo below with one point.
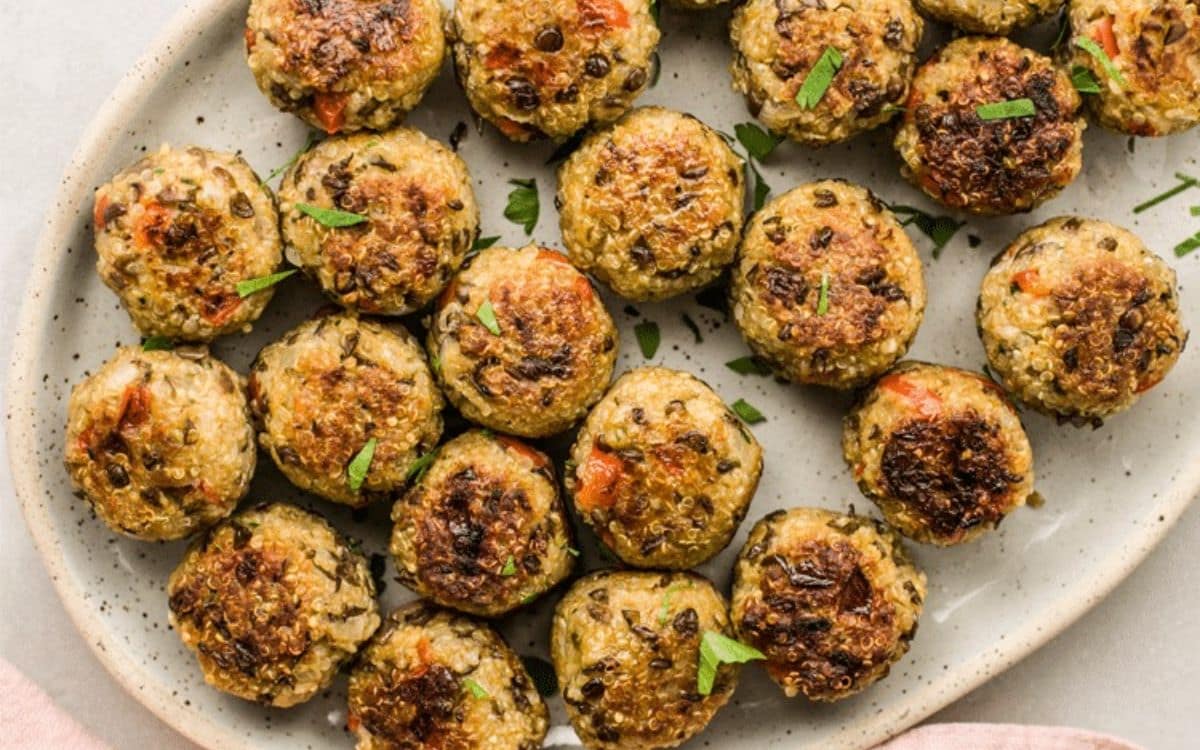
(688, 470)
(423, 219)
(832, 600)
(176, 232)
(997, 17)
(876, 290)
(272, 602)
(345, 65)
(332, 384)
(547, 68)
(999, 166)
(484, 501)
(652, 206)
(1158, 47)
(626, 649)
(1079, 318)
(778, 42)
(160, 444)
(940, 451)
(409, 689)
(555, 352)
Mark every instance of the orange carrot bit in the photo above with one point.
(600, 479)
(98, 212)
(134, 408)
(536, 457)
(925, 401)
(331, 111)
(510, 127)
(424, 657)
(151, 224)
(220, 309)
(550, 255)
(603, 14)
(251, 38)
(1030, 282)
(1107, 38)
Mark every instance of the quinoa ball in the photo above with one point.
(999, 17)
(652, 205)
(696, 4)
(483, 530)
(329, 388)
(273, 602)
(160, 443)
(626, 648)
(345, 65)
(941, 452)
(995, 166)
(421, 219)
(176, 232)
(1079, 318)
(831, 600)
(521, 342)
(434, 679)
(548, 68)
(828, 289)
(662, 470)
(778, 43)
(1156, 48)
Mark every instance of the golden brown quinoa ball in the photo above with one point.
(1079, 318)
(521, 342)
(831, 600)
(652, 205)
(345, 65)
(483, 530)
(839, 237)
(273, 602)
(940, 451)
(176, 232)
(160, 443)
(421, 219)
(998, 166)
(329, 387)
(1155, 45)
(777, 43)
(434, 679)
(662, 470)
(626, 648)
(997, 17)
(547, 68)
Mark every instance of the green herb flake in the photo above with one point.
(693, 327)
(748, 366)
(529, 599)
(1089, 45)
(476, 690)
(940, 229)
(510, 567)
(717, 649)
(572, 552)
(420, 466)
(331, 217)
(523, 206)
(486, 314)
(823, 299)
(891, 109)
(1195, 210)
(1007, 110)
(761, 188)
(1083, 80)
(758, 143)
(1188, 246)
(254, 286)
(748, 413)
(1185, 183)
(356, 472)
(312, 138)
(483, 243)
(157, 344)
(817, 82)
(648, 337)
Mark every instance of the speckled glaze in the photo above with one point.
(1110, 494)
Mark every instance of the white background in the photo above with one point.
(1131, 667)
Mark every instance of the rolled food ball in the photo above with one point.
(999, 17)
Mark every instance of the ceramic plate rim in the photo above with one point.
(61, 220)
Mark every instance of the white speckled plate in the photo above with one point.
(1111, 493)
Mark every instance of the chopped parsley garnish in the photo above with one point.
(758, 143)
(523, 206)
(157, 344)
(356, 472)
(940, 229)
(648, 337)
(761, 188)
(823, 299)
(748, 366)
(717, 649)
(1187, 246)
(476, 690)
(891, 109)
(483, 243)
(510, 567)
(1089, 45)
(1006, 110)
(1195, 210)
(816, 83)
(572, 552)
(312, 138)
(691, 325)
(1083, 80)
(331, 217)
(1185, 183)
(748, 413)
(420, 466)
(254, 286)
(486, 314)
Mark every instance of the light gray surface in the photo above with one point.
(1115, 671)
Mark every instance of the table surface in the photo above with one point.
(1129, 667)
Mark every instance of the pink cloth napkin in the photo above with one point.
(29, 719)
